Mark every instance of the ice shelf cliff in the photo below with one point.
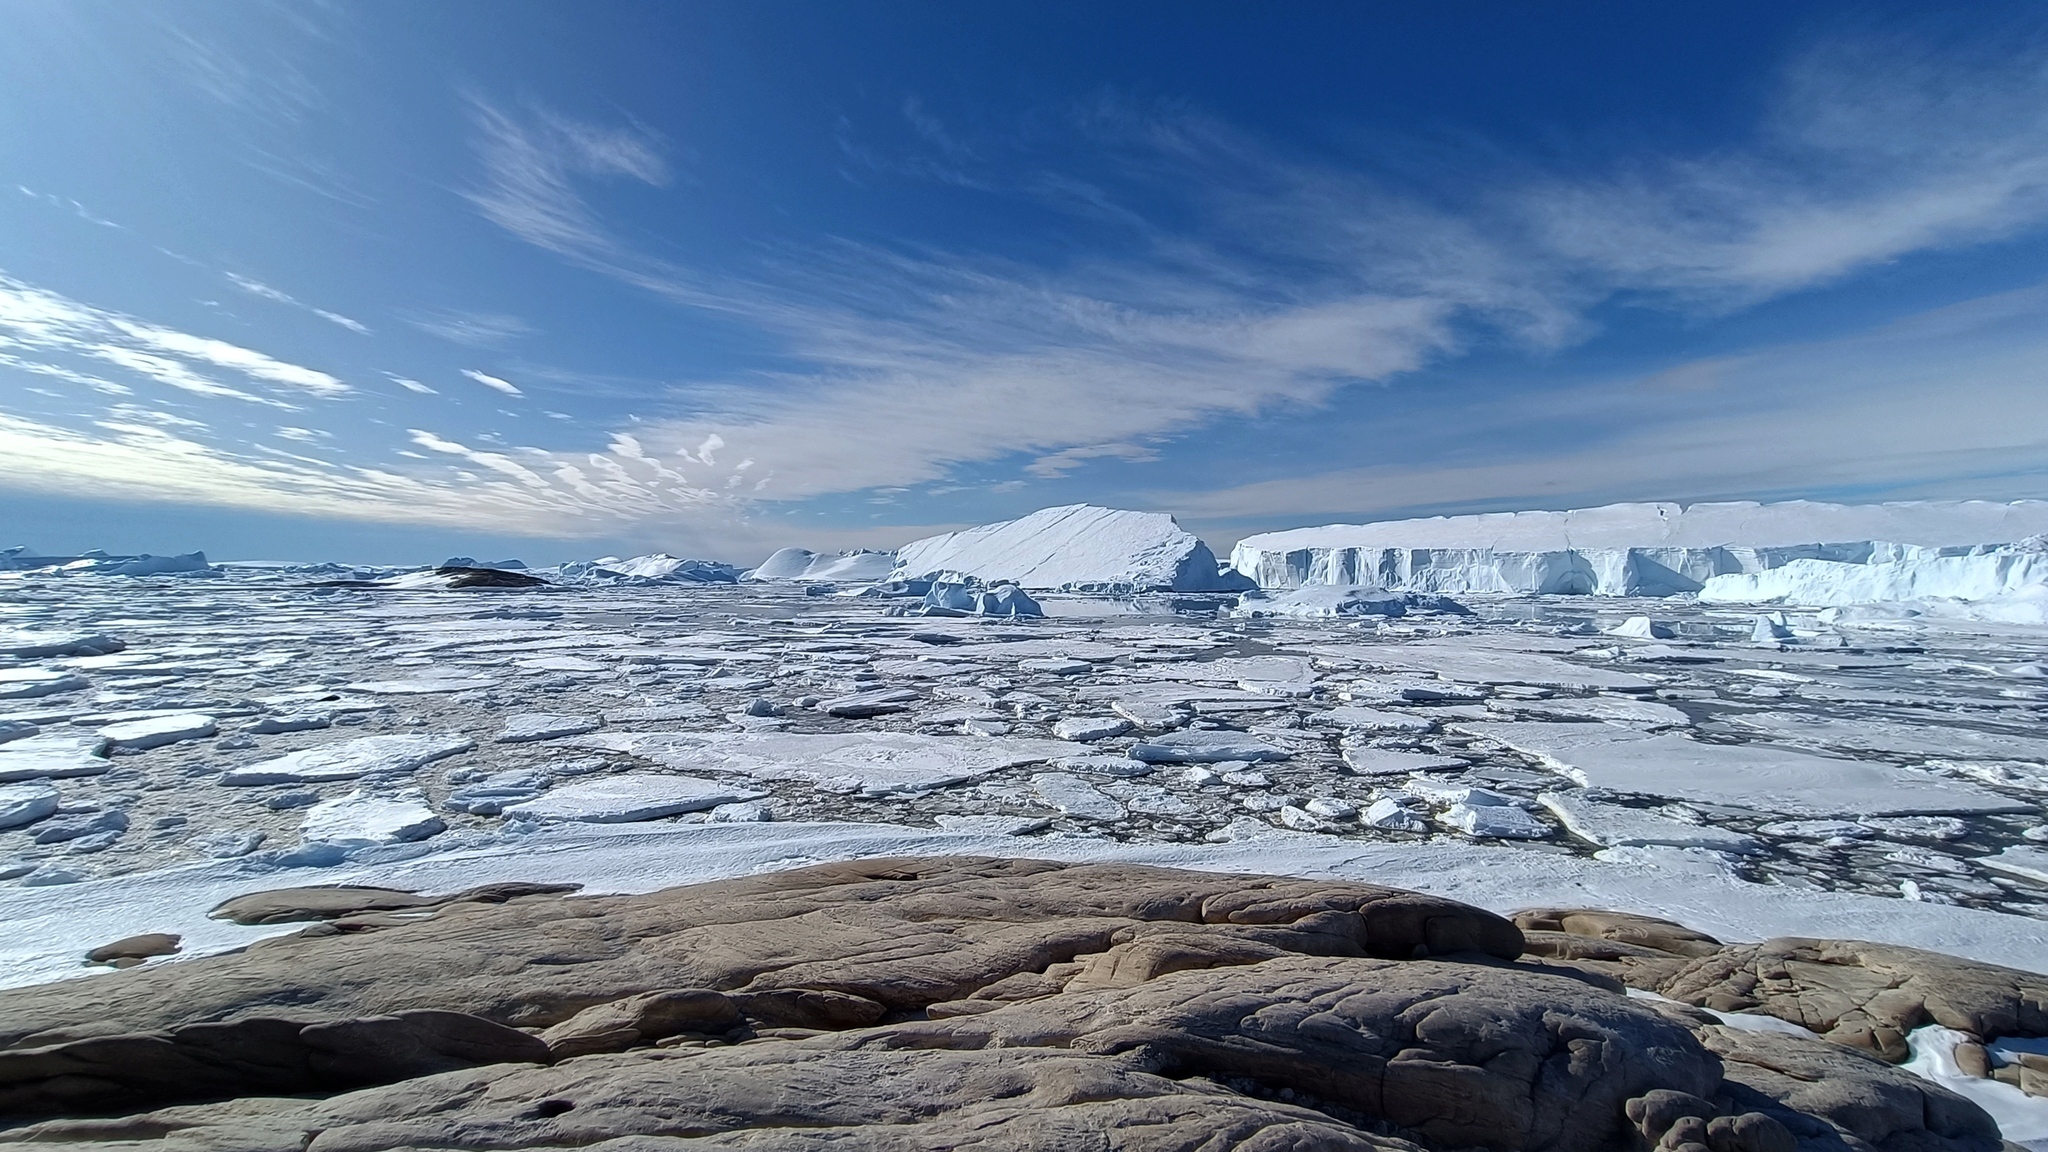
(1629, 549)
(1078, 547)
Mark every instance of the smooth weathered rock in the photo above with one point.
(1823, 1093)
(293, 905)
(135, 948)
(1865, 995)
(923, 1004)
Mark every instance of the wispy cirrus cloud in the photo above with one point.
(1286, 281)
(475, 329)
(258, 288)
(33, 320)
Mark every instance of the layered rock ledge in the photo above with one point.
(991, 1004)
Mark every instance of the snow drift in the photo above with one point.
(1625, 549)
(1078, 548)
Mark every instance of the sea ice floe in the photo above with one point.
(349, 759)
(1119, 766)
(53, 755)
(1369, 761)
(1752, 776)
(545, 726)
(290, 722)
(874, 702)
(1204, 747)
(1091, 728)
(994, 825)
(423, 687)
(1464, 664)
(1076, 797)
(1638, 713)
(870, 763)
(1500, 821)
(630, 797)
(1872, 735)
(1389, 814)
(31, 683)
(24, 804)
(362, 819)
(39, 645)
(1613, 825)
(157, 731)
(1373, 720)
(2020, 860)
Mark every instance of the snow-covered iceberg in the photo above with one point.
(1076, 547)
(1625, 549)
(801, 564)
(658, 568)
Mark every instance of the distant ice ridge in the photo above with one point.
(2007, 584)
(797, 564)
(1627, 549)
(658, 568)
(1075, 547)
(98, 563)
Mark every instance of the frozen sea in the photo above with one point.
(168, 742)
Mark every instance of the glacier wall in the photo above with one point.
(1627, 549)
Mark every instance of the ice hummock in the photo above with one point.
(1627, 549)
(1075, 547)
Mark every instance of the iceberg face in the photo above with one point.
(1626, 549)
(2009, 584)
(800, 564)
(1078, 547)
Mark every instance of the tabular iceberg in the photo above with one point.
(1077, 547)
(1626, 549)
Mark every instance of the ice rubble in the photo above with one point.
(859, 566)
(1624, 549)
(1078, 547)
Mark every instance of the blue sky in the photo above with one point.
(391, 281)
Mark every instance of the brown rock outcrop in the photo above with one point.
(931, 1004)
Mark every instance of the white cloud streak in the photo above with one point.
(32, 319)
(489, 381)
(258, 288)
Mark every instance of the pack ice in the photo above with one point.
(1077, 547)
(1658, 549)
